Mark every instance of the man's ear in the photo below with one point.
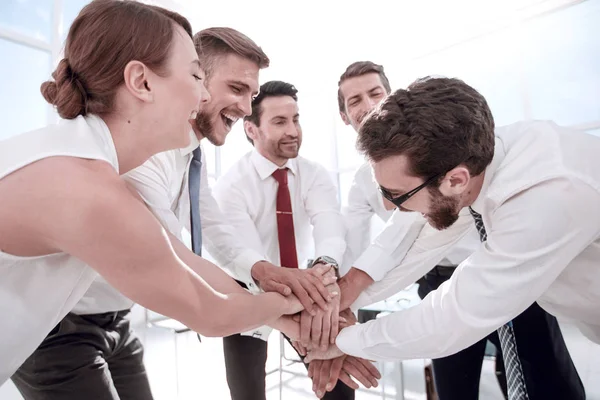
(138, 79)
(455, 181)
(251, 130)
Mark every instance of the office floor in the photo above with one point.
(181, 368)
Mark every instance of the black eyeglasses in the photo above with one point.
(397, 201)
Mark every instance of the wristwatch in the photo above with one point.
(327, 260)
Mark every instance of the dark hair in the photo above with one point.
(438, 123)
(360, 68)
(269, 89)
(214, 42)
(103, 39)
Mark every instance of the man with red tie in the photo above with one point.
(285, 207)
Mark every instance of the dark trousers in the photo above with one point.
(245, 359)
(92, 357)
(547, 366)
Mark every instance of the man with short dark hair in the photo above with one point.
(532, 191)
(456, 376)
(281, 205)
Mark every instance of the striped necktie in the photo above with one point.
(515, 379)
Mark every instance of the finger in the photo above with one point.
(323, 285)
(335, 322)
(303, 296)
(280, 288)
(334, 373)
(310, 357)
(329, 280)
(316, 330)
(321, 269)
(326, 329)
(316, 371)
(344, 377)
(305, 327)
(299, 348)
(362, 370)
(351, 369)
(370, 367)
(296, 317)
(310, 285)
(323, 378)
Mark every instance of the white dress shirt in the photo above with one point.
(384, 253)
(247, 194)
(540, 204)
(37, 292)
(162, 182)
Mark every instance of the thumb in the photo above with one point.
(309, 357)
(273, 286)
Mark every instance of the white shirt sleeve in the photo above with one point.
(357, 216)
(151, 181)
(233, 200)
(532, 238)
(220, 237)
(323, 208)
(391, 245)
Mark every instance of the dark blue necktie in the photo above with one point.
(517, 390)
(194, 186)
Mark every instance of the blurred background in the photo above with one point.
(531, 59)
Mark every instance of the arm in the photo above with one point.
(357, 216)
(424, 253)
(382, 256)
(223, 242)
(308, 286)
(323, 208)
(221, 282)
(526, 251)
(116, 234)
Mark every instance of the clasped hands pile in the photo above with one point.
(319, 324)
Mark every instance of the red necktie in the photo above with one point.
(285, 222)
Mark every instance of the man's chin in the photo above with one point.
(442, 222)
(217, 139)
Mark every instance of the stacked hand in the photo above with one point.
(328, 365)
(319, 326)
(308, 285)
(325, 373)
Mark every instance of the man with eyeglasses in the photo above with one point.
(549, 368)
(531, 186)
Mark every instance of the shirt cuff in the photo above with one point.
(375, 262)
(244, 263)
(261, 333)
(349, 342)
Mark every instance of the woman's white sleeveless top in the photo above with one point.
(37, 292)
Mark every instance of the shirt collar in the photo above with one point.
(490, 171)
(265, 167)
(194, 143)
